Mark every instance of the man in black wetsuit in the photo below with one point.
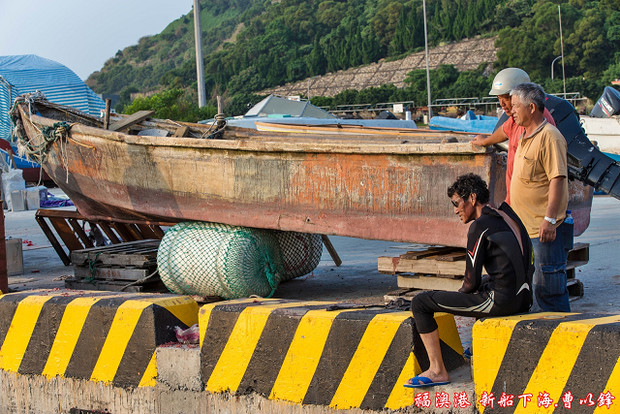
(496, 240)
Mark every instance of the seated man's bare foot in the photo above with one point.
(442, 377)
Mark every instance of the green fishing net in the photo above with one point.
(210, 259)
(301, 253)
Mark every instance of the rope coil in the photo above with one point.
(58, 132)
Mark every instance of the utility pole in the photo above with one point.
(200, 71)
(562, 44)
(428, 79)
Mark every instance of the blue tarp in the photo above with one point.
(477, 124)
(28, 73)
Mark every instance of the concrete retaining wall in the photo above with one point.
(88, 352)
(551, 359)
(94, 336)
(306, 354)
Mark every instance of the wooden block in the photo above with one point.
(139, 253)
(452, 257)
(431, 251)
(393, 265)
(428, 283)
(579, 253)
(575, 288)
(575, 264)
(112, 285)
(112, 273)
(14, 257)
(131, 120)
(181, 131)
(82, 284)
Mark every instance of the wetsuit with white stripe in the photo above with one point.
(509, 263)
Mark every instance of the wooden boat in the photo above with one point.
(604, 131)
(368, 185)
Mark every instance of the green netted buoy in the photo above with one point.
(210, 259)
(300, 252)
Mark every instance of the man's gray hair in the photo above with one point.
(530, 93)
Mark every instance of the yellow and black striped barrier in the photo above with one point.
(96, 336)
(305, 353)
(548, 362)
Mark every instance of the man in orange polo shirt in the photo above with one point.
(539, 189)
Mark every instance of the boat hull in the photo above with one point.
(604, 132)
(382, 189)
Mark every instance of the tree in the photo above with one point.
(588, 45)
(172, 104)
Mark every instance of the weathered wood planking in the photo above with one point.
(139, 253)
(130, 120)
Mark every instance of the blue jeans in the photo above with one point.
(550, 270)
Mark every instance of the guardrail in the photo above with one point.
(471, 102)
(368, 107)
(572, 97)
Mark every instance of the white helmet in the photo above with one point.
(507, 79)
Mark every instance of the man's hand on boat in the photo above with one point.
(480, 141)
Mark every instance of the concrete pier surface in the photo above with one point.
(356, 281)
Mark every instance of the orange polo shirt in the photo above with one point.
(540, 157)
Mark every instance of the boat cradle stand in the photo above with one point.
(70, 228)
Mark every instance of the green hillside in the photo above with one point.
(252, 45)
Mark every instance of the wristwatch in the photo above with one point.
(551, 220)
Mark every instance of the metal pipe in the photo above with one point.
(552, 62)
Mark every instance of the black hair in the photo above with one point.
(468, 184)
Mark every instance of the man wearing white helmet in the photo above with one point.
(503, 82)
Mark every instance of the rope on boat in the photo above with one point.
(216, 128)
(59, 131)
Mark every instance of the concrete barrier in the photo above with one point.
(305, 353)
(545, 361)
(96, 336)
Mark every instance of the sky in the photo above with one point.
(82, 34)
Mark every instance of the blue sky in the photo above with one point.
(82, 34)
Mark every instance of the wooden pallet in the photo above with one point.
(140, 253)
(578, 256)
(116, 266)
(435, 268)
(443, 268)
(114, 285)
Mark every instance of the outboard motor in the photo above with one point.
(607, 105)
(586, 163)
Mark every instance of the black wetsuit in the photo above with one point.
(493, 244)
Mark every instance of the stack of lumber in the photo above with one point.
(435, 268)
(130, 267)
(443, 268)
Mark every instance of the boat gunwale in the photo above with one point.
(258, 141)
